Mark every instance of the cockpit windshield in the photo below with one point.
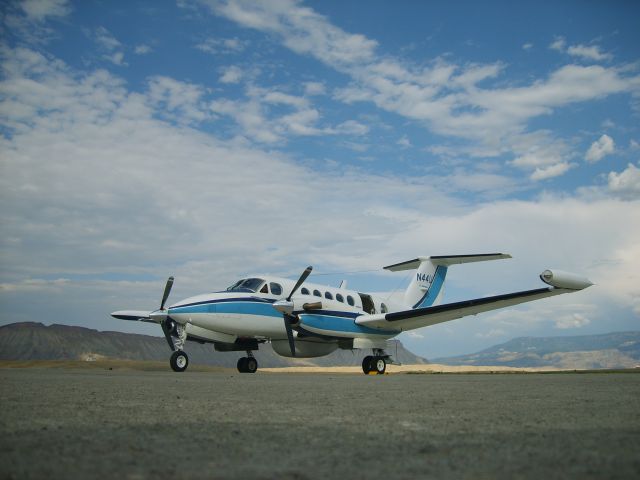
(247, 285)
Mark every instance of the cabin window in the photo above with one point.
(317, 293)
(328, 296)
(340, 298)
(276, 288)
(304, 291)
(383, 308)
(350, 300)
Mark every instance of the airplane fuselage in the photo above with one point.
(238, 313)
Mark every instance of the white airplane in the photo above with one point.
(315, 320)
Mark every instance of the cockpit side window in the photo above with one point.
(264, 289)
(247, 285)
(276, 288)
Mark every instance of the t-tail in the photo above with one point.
(427, 286)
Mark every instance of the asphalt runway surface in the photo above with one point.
(93, 423)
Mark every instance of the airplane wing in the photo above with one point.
(133, 315)
(424, 317)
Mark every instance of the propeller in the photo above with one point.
(167, 323)
(286, 307)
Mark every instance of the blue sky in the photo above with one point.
(212, 139)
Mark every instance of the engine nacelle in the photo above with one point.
(560, 279)
(304, 348)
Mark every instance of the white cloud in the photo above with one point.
(179, 100)
(404, 142)
(39, 10)
(558, 44)
(300, 28)
(588, 52)
(600, 148)
(217, 46)
(575, 320)
(527, 46)
(314, 88)
(142, 49)
(231, 74)
(543, 173)
(105, 39)
(452, 100)
(625, 184)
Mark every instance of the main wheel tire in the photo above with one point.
(367, 364)
(179, 361)
(242, 365)
(251, 365)
(379, 365)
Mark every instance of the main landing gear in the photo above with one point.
(248, 364)
(376, 363)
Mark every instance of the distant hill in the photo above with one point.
(35, 341)
(611, 350)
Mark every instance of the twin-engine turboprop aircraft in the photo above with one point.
(302, 319)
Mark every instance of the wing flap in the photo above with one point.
(424, 317)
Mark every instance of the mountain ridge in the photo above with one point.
(36, 341)
(610, 350)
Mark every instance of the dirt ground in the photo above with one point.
(125, 423)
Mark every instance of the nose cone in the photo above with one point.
(284, 306)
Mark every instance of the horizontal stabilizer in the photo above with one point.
(446, 260)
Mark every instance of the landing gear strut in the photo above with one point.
(248, 364)
(376, 363)
(179, 360)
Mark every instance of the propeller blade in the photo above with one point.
(167, 291)
(167, 333)
(287, 326)
(303, 277)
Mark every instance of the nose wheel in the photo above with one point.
(247, 364)
(179, 361)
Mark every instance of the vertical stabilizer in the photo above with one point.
(426, 287)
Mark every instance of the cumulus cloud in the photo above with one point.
(600, 148)
(626, 183)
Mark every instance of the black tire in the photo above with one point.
(179, 361)
(367, 364)
(251, 365)
(242, 365)
(379, 365)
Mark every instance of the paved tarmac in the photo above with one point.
(66, 423)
